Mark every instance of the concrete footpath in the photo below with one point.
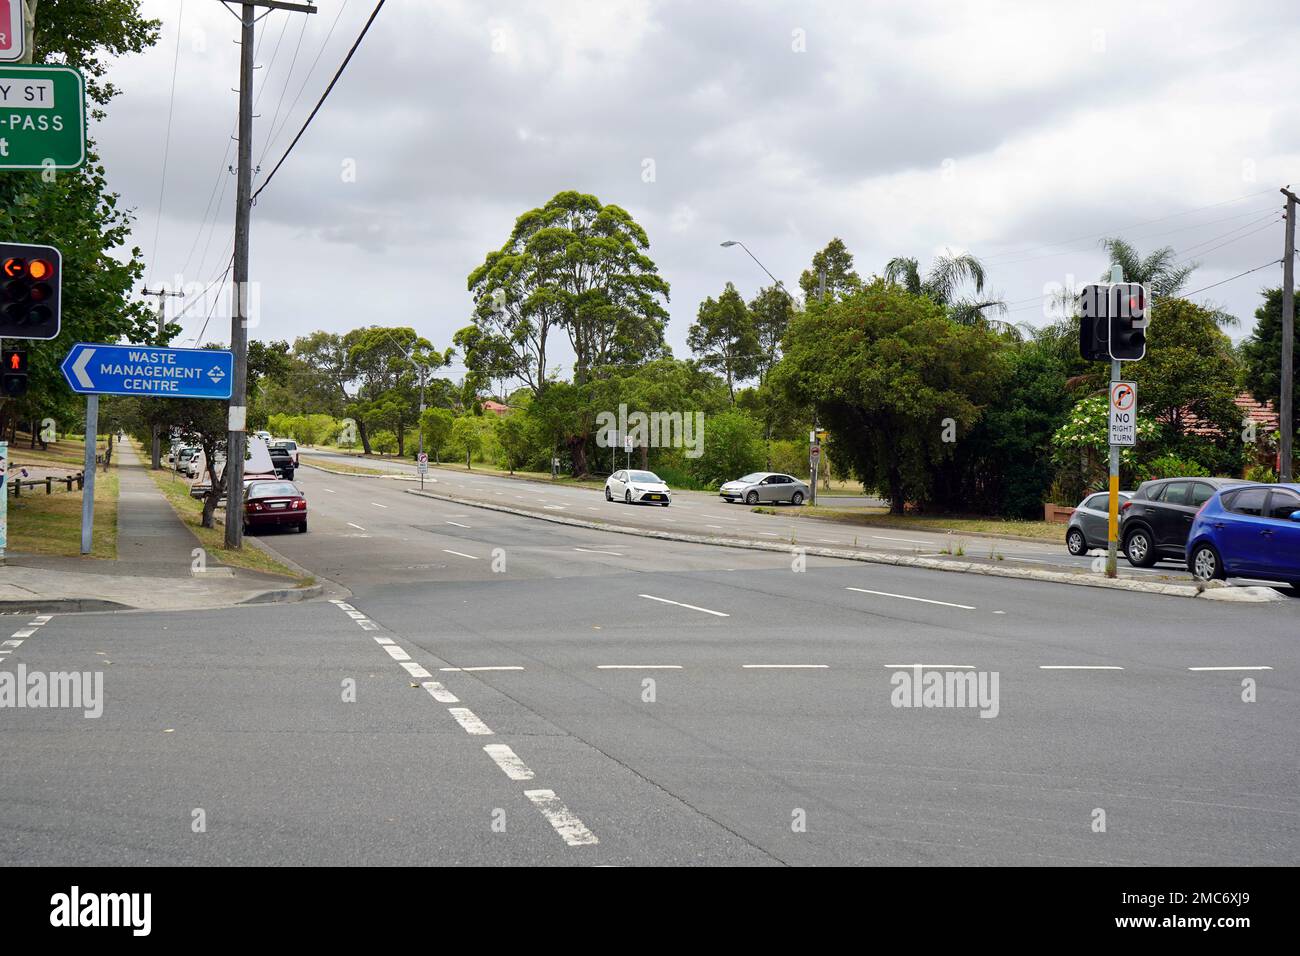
(159, 564)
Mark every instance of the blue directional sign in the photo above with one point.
(93, 369)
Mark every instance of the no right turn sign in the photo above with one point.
(1123, 413)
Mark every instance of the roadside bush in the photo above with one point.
(1169, 466)
(384, 442)
(733, 446)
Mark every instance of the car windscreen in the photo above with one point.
(648, 477)
(750, 479)
(272, 489)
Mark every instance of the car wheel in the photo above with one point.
(796, 498)
(1075, 542)
(751, 498)
(302, 527)
(1139, 549)
(608, 496)
(1206, 564)
(627, 497)
(248, 529)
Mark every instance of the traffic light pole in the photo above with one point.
(1112, 535)
(1286, 413)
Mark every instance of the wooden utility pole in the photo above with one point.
(237, 415)
(1286, 413)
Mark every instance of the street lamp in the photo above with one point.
(727, 244)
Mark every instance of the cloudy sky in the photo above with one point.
(1021, 132)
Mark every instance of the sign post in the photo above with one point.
(422, 466)
(88, 474)
(42, 117)
(814, 459)
(1123, 433)
(627, 449)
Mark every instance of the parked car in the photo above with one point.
(637, 486)
(765, 486)
(1155, 522)
(274, 504)
(289, 445)
(189, 461)
(1090, 524)
(283, 462)
(1248, 532)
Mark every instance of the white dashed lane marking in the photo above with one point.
(357, 526)
(415, 670)
(651, 597)
(378, 505)
(1079, 667)
(508, 761)
(573, 831)
(460, 554)
(617, 554)
(494, 667)
(908, 597)
(785, 666)
(1251, 668)
(458, 524)
(638, 667)
(467, 719)
(440, 693)
(396, 653)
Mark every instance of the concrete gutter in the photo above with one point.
(1215, 591)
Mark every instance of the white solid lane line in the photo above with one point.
(460, 554)
(1229, 668)
(466, 718)
(881, 537)
(573, 831)
(508, 760)
(1079, 667)
(440, 693)
(638, 667)
(357, 526)
(783, 666)
(458, 524)
(378, 505)
(693, 607)
(908, 597)
(617, 554)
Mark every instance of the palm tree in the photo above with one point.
(1158, 271)
(942, 285)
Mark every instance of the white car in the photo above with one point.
(637, 486)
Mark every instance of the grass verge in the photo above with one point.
(1039, 530)
(190, 511)
(51, 524)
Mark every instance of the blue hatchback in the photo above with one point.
(1250, 531)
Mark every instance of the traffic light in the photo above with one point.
(1127, 309)
(1092, 323)
(13, 376)
(31, 280)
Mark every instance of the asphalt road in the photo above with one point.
(704, 513)
(657, 702)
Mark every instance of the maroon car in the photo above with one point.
(274, 504)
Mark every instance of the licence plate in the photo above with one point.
(279, 504)
(655, 497)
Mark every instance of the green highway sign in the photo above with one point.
(42, 117)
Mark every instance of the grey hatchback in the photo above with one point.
(1089, 524)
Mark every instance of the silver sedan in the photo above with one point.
(765, 487)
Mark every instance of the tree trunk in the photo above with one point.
(577, 446)
(895, 491)
(365, 436)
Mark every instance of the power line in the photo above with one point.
(1271, 222)
(217, 298)
(319, 103)
(283, 90)
(1229, 279)
(275, 133)
(167, 140)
